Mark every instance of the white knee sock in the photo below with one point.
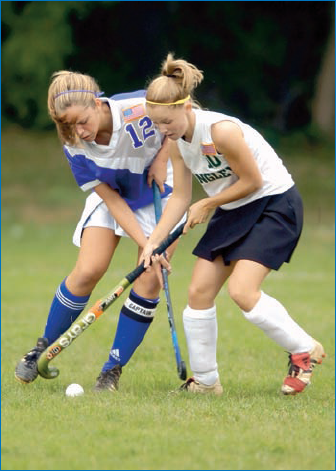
(200, 327)
(270, 316)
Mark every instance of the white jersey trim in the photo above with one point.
(90, 185)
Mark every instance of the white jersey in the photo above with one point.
(124, 162)
(212, 169)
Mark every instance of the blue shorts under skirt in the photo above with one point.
(266, 231)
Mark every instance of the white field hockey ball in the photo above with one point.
(74, 390)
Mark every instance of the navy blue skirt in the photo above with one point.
(265, 231)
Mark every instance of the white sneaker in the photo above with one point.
(193, 386)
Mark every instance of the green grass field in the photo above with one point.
(143, 426)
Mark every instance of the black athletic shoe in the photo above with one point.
(109, 380)
(26, 370)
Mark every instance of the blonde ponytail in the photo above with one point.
(176, 83)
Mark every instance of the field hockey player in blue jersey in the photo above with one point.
(255, 227)
(114, 152)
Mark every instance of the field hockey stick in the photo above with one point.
(181, 367)
(86, 319)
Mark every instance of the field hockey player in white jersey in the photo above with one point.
(255, 227)
(113, 150)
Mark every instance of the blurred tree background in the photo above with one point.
(270, 63)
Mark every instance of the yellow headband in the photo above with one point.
(178, 102)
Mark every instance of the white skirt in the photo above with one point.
(97, 214)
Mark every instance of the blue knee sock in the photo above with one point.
(64, 310)
(135, 317)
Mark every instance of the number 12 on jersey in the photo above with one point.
(145, 124)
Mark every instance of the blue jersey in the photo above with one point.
(123, 164)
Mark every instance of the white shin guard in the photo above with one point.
(200, 327)
(270, 316)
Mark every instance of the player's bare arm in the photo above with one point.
(122, 213)
(229, 141)
(158, 169)
(177, 204)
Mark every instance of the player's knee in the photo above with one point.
(88, 277)
(148, 285)
(239, 293)
(197, 295)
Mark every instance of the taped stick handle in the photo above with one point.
(86, 319)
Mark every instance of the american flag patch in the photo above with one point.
(209, 149)
(134, 112)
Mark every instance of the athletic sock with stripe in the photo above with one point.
(135, 318)
(64, 310)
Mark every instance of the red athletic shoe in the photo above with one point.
(301, 367)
